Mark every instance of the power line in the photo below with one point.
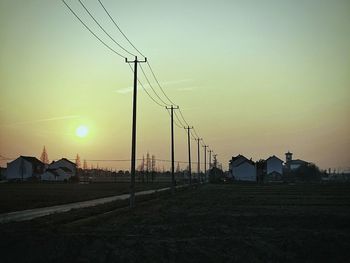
(81, 21)
(194, 137)
(110, 160)
(178, 119)
(120, 29)
(183, 117)
(169, 161)
(149, 83)
(177, 125)
(195, 132)
(154, 76)
(149, 95)
(87, 10)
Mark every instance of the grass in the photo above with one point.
(213, 223)
(20, 196)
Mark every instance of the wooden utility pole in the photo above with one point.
(205, 161)
(210, 165)
(172, 108)
(199, 160)
(133, 138)
(188, 128)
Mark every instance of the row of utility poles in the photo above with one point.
(133, 142)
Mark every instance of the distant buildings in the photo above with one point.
(62, 174)
(64, 163)
(270, 170)
(27, 167)
(61, 170)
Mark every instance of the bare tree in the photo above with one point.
(77, 161)
(44, 158)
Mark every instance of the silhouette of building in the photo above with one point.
(60, 174)
(291, 164)
(242, 169)
(66, 164)
(274, 169)
(24, 167)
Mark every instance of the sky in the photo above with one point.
(257, 78)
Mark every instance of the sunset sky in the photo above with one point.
(254, 77)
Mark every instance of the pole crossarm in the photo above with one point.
(135, 60)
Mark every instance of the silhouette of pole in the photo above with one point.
(199, 160)
(133, 139)
(172, 108)
(215, 161)
(210, 151)
(205, 161)
(188, 128)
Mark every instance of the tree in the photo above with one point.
(178, 170)
(216, 175)
(153, 165)
(305, 173)
(85, 165)
(44, 158)
(77, 161)
(308, 173)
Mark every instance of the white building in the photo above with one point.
(273, 169)
(274, 164)
(61, 174)
(242, 169)
(24, 167)
(294, 164)
(64, 163)
(235, 161)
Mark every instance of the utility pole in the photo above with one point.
(205, 161)
(215, 161)
(172, 108)
(210, 151)
(188, 128)
(133, 139)
(199, 160)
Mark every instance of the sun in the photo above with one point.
(82, 131)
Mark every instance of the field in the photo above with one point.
(212, 223)
(20, 196)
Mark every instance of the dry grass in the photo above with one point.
(20, 196)
(214, 223)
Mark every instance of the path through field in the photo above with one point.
(213, 223)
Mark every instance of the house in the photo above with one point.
(24, 167)
(2, 173)
(64, 163)
(274, 168)
(242, 169)
(294, 164)
(236, 160)
(49, 175)
(61, 174)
